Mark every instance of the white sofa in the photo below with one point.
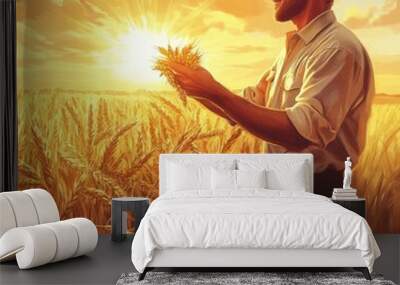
(31, 230)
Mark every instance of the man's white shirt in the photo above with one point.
(324, 81)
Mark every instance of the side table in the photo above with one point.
(356, 205)
(119, 214)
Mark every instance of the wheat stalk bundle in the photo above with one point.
(187, 55)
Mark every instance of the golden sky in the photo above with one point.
(104, 44)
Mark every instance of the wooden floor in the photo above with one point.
(111, 259)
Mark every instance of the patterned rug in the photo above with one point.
(243, 278)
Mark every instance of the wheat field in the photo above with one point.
(88, 146)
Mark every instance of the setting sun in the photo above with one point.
(136, 52)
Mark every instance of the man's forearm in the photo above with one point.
(268, 124)
(215, 109)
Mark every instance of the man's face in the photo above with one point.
(285, 10)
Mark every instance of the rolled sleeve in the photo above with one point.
(311, 124)
(330, 87)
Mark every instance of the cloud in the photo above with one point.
(246, 49)
(389, 16)
(387, 64)
(257, 15)
(358, 22)
(56, 31)
(263, 65)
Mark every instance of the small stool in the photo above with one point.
(119, 216)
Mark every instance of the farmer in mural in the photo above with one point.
(315, 98)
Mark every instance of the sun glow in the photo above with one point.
(136, 52)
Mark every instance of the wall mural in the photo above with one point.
(94, 114)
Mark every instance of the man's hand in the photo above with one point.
(262, 84)
(257, 94)
(195, 82)
(199, 84)
(253, 95)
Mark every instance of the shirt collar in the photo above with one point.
(308, 32)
